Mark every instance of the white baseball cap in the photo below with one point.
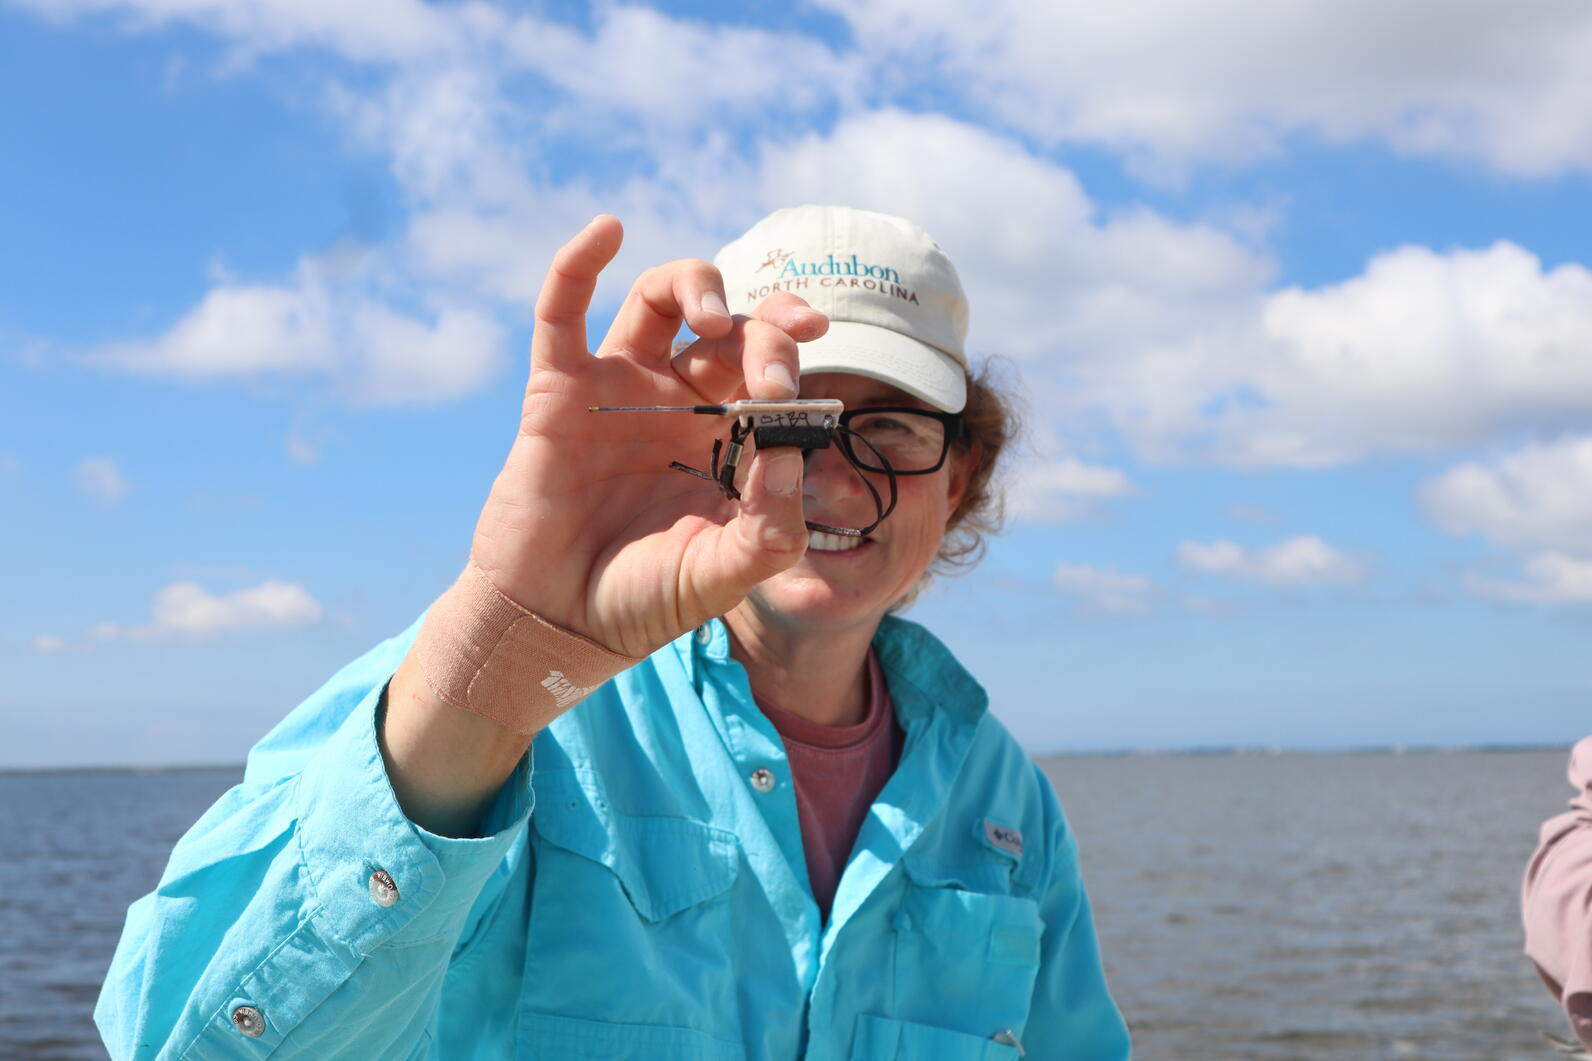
(895, 306)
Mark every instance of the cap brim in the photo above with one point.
(879, 353)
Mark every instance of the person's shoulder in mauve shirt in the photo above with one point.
(1556, 900)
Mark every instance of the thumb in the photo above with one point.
(769, 532)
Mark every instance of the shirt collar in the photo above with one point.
(921, 672)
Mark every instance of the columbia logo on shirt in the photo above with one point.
(1007, 839)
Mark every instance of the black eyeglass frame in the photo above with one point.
(955, 430)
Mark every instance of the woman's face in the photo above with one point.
(846, 581)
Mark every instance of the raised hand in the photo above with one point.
(586, 524)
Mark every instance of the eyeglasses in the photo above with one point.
(889, 440)
(913, 441)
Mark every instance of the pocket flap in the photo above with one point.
(569, 1037)
(882, 1039)
(664, 864)
(987, 873)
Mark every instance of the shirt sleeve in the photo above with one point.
(1072, 1015)
(1556, 900)
(304, 915)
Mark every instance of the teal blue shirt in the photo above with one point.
(636, 896)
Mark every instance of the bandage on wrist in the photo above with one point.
(482, 652)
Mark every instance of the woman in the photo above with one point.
(780, 822)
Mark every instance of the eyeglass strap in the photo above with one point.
(880, 507)
(723, 475)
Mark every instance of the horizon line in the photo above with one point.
(1188, 751)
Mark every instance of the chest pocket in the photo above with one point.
(966, 952)
(629, 951)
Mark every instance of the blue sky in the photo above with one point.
(1297, 295)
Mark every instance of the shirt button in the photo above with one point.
(704, 634)
(247, 1020)
(383, 892)
(763, 780)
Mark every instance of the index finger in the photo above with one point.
(792, 315)
(688, 291)
(559, 341)
(763, 362)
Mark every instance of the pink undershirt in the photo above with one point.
(837, 772)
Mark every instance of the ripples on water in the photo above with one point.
(79, 847)
(1297, 907)
(1317, 907)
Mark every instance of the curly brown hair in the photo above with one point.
(990, 421)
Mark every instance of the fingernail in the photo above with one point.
(776, 373)
(713, 302)
(813, 323)
(782, 472)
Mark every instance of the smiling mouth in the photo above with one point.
(819, 541)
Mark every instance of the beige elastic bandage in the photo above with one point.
(480, 651)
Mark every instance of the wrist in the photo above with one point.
(483, 653)
(445, 765)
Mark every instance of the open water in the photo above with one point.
(1309, 907)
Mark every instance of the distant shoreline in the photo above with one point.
(180, 768)
(1214, 752)
(1251, 750)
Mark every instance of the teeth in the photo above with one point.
(831, 543)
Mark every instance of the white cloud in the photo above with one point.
(451, 133)
(322, 324)
(1170, 84)
(100, 479)
(504, 253)
(635, 61)
(1113, 592)
(188, 610)
(240, 330)
(1421, 352)
(641, 62)
(1060, 490)
(1550, 578)
(1300, 561)
(1537, 497)
(403, 359)
(49, 643)
(1051, 279)
(1427, 350)
(364, 31)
